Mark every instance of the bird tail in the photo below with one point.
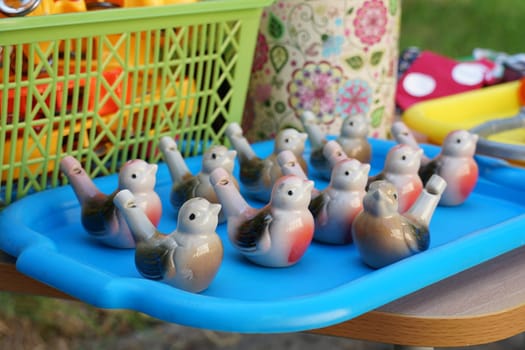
(239, 142)
(82, 184)
(233, 204)
(176, 164)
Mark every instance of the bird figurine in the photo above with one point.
(335, 207)
(403, 135)
(257, 175)
(187, 258)
(456, 164)
(401, 168)
(185, 184)
(352, 138)
(276, 235)
(99, 216)
(382, 235)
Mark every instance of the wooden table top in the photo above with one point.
(481, 305)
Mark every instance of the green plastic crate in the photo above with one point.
(104, 86)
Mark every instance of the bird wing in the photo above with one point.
(416, 236)
(251, 171)
(317, 205)
(427, 170)
(98, 214)
(252, 230)
(184, 190)
(154, 261)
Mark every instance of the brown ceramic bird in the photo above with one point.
(382, 235)
(187, 258)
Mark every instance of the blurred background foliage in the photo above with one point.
(455, 27)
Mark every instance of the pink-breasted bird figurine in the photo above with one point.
(257, 175)
(382, 235)
(185, 184)
(352, 139)
(401, 169)
(403, 135)
(456, 164)
(187, 258)
(276, 235)
(335, 207)
(99, 216)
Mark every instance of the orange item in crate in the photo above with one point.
(30, 147)
(107, 102)
(161, 100)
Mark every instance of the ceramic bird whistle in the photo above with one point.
(186, 185)
(188, 258)
(258, 175)
(401, 168)
(353, 138)
(382, 235)
(456, 164)
(99, 216)
(336, 207)
(276, 235)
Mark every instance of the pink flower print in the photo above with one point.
(370, 22)
(261, 54)
(354, 97)
(313, 87)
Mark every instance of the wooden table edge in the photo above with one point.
(376, 326)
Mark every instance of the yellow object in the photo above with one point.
(436, 118)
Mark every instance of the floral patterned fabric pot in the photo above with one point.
(335, 58)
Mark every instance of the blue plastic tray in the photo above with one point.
(328, 286)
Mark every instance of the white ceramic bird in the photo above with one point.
(335, 208)
(99, 216)
(185, 184)
(276, 235)
(188, 258)
(456, 164)
(401, 169)
(382, 235)
(257, 175)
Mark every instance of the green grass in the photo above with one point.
(455, 28)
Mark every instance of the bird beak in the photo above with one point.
(232, 154)
(215, 208)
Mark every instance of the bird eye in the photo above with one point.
(395, 195)
(351, 123)
(290, 193)
(213, 156)
(286, 140)
(458, 141)
(403, 157)
(347, 173)
(192, 217)
(133, 176)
